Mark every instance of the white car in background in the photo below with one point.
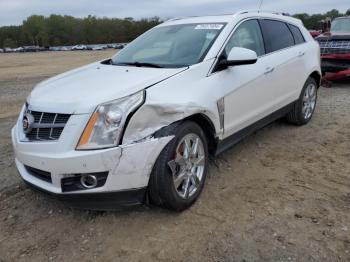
(98, 47)
(8, 50)
(64, 48)
(139, 127)
(79, 47)
(18, 49)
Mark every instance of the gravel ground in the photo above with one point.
(283, 194)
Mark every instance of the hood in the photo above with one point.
(333, 36)
(79, 91)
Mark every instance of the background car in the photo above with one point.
(97, 47)
(64, 48)
(315, 33)
(119, 46)
(18, 49)
(335, 50)
(31, 48)
(79, 47)
(8, 50)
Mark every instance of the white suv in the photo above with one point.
(139, 127)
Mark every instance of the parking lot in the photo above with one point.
(283, 194)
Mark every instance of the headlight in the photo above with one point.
(107, 122)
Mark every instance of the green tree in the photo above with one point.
(67, 30)
(33, 27)
(315, 21)
(333, 13)
(8, 42)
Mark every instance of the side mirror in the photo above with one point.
(239, 56)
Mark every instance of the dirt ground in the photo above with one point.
(283, 194)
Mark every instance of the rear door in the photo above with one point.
(300, 51)
(286, 61)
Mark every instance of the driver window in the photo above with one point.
(248, 35)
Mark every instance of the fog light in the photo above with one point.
(88, 181)
(76, 182)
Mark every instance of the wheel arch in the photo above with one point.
(208, 128)
(202, 121)
(317, 76)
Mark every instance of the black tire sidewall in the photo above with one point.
(164, 177)
(301, 117)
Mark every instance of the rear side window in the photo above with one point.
(298, 36)
(277, 35)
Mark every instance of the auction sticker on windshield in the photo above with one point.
(209, 27)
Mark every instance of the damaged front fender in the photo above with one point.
(153, 116)
(135, 163)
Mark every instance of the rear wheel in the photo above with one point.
(304, 108)
(179, 174)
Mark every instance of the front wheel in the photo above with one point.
(303, 109)
(179, 174)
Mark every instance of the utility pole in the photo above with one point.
(260, 4)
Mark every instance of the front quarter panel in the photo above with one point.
(179, 97)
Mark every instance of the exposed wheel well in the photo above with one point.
(317, 76)
(208, 128)
(200, 119)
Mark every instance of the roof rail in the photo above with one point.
(262, 11)
(173, 19)
(180, 18)
(238, 13)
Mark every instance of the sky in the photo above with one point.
(13, 12)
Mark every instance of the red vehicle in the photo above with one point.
(335, 50)
(315, 33)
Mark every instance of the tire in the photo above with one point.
(173, 166)
(307, 101)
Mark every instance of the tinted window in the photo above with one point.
(298, 36)
(247, 35)
(277, 35)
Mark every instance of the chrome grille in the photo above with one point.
(331, 47)
(46, 126)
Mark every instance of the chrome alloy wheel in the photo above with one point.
(187, 165)
(309, 101)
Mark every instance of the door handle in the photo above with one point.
(301, 54)
(269, 70)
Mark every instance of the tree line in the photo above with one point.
(57, 30)
(315, 21)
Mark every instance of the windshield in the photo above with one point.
(170, 46)
(341, 26)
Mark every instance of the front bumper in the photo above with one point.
(335, 66)
(128, 166)
(97, 201)
(335, 63)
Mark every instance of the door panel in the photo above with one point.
(287, 58)
(299, 71)
(248, 91)
(285, 76)
(249, 94)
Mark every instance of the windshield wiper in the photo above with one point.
(141, 64)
